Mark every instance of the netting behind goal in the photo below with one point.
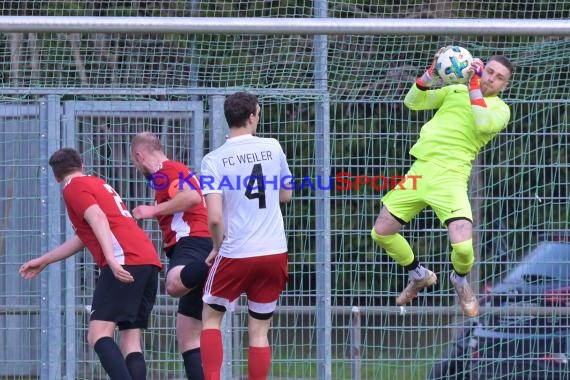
(106, 87)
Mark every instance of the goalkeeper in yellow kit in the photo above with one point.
(468, 116)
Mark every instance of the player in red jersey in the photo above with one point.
(250, 247)
(126, 289)
(181, 212)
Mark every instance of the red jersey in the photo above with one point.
(194, 220)
(131, 244)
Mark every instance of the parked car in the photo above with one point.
(529, 336)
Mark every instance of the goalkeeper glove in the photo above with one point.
(475, 94)
(430, 76)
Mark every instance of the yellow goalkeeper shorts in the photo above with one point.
(427, 184)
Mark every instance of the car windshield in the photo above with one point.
(550, 260)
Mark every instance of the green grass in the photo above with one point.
(414, 367)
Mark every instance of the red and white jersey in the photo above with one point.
(248, 171)
(192, 221)
(131, 244)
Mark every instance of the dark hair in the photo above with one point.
(64, 162)
(503, 61)
(239, 107)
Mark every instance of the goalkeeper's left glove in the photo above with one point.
(475, 94)
(430, 76)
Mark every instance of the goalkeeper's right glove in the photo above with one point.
(430, 76)
(474, 83)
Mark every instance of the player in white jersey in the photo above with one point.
(244, 181)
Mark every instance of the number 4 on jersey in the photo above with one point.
(256, 182)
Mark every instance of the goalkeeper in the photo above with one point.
(467, 117)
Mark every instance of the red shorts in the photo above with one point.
(261, 278)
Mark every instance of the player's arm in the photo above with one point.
(182, 200)
(418, 100)
(216, 223)
(430, 76)
(286, 188)
(418, 97)
(99, 223)
(490, 117)
(214, 203)
(285, 194)
(69, 248)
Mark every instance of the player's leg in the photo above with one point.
(137, 306)
(102, 324)
(100, 338)
(400, 205)
(187, 267)
(265, 283)
(399, 249)
(259, 351)
(174, 286)
(211, 346)
(188, 330)
(130, 342)
(386, 234)
(185, 279)
(222, 287)
(462, 258)
(453, 208)
(462, 254)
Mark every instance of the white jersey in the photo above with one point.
(248, 171)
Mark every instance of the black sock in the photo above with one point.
(136, 365)
(194, 274)
(112, 359)
(193, 364)
(457, 274)
(413, 265)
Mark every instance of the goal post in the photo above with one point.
(284, 25)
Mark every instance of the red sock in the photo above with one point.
(259, 363)
(212, 353)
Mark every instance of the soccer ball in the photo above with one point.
(453, 64)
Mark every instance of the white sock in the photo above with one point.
(459, 279)
(418, 274)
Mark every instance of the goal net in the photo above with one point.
(111, 86)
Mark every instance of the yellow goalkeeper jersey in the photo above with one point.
(455, 134)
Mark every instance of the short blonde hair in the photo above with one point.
(148, 140)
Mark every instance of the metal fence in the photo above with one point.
(337, 318)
